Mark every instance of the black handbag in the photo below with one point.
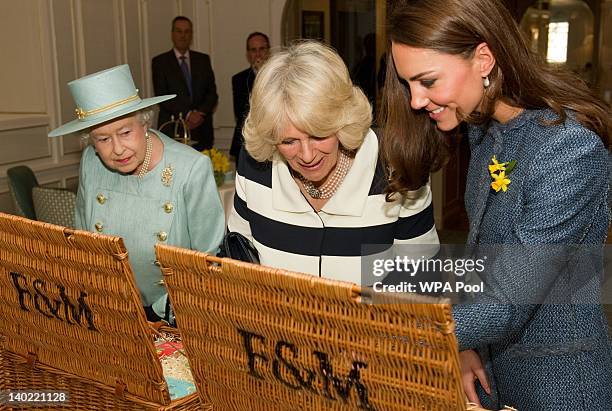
(238, 247)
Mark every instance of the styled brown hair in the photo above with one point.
(412, 146)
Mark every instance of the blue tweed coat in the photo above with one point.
(540, 356)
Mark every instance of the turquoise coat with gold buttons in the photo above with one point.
(176, 203)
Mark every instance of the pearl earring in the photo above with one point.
(486, 82)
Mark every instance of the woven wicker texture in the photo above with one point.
(267, 339)
(72, 320)
(54, 205)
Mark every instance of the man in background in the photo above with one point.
(189, 75)
(257, 52)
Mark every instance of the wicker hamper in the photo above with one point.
(266, 339)
(71, 320)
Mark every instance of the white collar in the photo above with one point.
(351, 197)
(178, 54)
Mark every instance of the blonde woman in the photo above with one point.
(309, 188)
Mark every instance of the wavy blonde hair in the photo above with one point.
(309, 87)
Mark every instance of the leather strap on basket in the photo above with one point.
(31, 359)
(120, 388)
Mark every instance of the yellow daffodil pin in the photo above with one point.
(500, 181)
(496, 166)
(499, 173)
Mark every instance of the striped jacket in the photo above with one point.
(288, 233)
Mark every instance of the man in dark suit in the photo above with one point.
(189, 75)
(257, 52)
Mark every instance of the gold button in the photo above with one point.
(101, 199)
(162, 235)
(168, 207)
(99, 227)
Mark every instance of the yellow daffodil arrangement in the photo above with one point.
(499, 173)
(220, 164)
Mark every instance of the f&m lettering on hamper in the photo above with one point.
(33, 293)
(304, 379)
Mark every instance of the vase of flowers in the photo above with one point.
(220, 164)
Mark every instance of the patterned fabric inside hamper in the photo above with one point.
(175, 365)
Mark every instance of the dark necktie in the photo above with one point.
(185, 70)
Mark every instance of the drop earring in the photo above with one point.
(486, 82)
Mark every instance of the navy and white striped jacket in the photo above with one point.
(271, 211)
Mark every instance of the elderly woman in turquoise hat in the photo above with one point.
(139, 184)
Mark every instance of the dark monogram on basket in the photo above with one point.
(305, 378)
(63, 309)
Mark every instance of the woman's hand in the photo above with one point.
(472, 370)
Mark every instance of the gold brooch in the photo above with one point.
(166, 175)
(80, 113)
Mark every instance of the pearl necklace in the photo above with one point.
(144, 167)
(329, 188)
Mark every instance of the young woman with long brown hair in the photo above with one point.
(538, 177)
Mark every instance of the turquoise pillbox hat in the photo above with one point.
(103, 96)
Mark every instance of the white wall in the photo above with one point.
(53, 42)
